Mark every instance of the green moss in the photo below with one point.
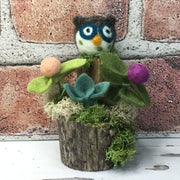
(95, 116)
(122, 148)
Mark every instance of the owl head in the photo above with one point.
(94, 34)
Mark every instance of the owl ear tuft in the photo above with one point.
(111, 20)
(78, 21)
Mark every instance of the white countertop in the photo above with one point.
(37, 160)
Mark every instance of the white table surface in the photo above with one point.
(37, 160)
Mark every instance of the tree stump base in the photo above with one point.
(84, 147)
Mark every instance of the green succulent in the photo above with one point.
(85, 90)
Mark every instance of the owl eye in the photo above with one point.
(88, 31)
(106, 32)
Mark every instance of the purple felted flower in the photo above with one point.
(138, 73)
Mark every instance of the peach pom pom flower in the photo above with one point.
(50, 66)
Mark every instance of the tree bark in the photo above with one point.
(92, 71)
(84, 147)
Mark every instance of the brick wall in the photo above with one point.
(148, 32)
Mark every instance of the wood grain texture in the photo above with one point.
(94, 72)
(84, 147)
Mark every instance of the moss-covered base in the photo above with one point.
(118, 117)
(122, 147)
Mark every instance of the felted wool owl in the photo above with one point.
(103, 82)
(94, 34)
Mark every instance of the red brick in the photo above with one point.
(164, 88)
(162, 20)
(51, 21)
(20, 111)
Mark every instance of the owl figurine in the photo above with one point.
(94, 34)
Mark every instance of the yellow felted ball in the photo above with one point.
(50, 66)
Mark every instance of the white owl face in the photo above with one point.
(91, 39)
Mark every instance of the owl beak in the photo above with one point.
(97, 40)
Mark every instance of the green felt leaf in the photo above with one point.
(129, 96)
(111, 97)
(68, 67)
(112, 68)
(114, 78)
(39, 85)
(141, 91)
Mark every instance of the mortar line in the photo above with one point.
(6, 22)
(134, 19)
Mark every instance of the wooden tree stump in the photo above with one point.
(92, 71)
(84, 147)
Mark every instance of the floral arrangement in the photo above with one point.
(96, 88)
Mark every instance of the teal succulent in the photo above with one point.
(85, 90)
